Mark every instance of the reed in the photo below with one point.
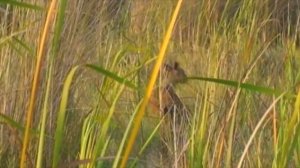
(76, 78)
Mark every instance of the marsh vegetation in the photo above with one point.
(74, 75)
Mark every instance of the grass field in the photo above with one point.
(75, 78)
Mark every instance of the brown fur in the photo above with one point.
(174, 129)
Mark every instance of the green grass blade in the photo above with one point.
(236, 84)
(86, 140)
(148, 141)
(43, 121)
(58, 27)
(126, 133)
(11, 122)
(21, 4)
(102, 140)
(61, 118)
(6, 39)
(291, 135)
(112, 75)
(16, 41)
(54, 51)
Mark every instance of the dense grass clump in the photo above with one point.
(76, 79)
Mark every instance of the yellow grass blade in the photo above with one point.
(49, 20)
(61, 115)
(153, 77)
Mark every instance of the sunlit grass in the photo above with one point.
(36, 77)
(73, 81)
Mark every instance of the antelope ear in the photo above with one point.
(176, 65)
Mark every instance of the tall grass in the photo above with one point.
(36, 77)
(242, 59)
